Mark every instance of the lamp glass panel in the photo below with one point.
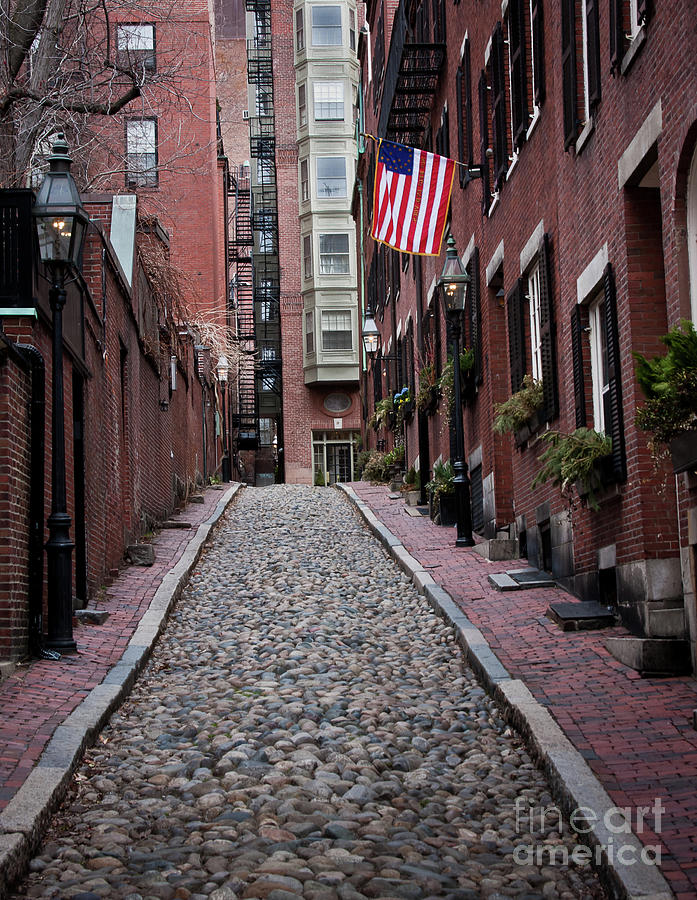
(55, 236)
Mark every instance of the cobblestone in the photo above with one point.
(305, 728)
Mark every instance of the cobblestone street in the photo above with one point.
(305, 728)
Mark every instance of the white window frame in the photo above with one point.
(299, 30)
(332, 318)
(352, 29)
(309, 332)
(331, 178)
(327, 107)
(535, 329)
(302, 105)
(599, 368)
(318, 31)
(586, 99)
(304, 180)
(135, 42)
(692, 233)
(327, 269)
(141, 141)
(308, 267)
(268, 354)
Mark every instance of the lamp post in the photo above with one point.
(453, 283)
(223, 370)
(61, 222)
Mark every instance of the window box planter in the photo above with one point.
(683, 451)
(528, 430)
(597, 485)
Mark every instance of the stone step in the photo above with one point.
(581, 616)
(175, 523)
(667, 623)
(497, 549)
(652, 656)
(518, 579)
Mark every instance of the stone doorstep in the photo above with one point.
(173, 523)
(582, 616)
(652, 656)
(520, 579)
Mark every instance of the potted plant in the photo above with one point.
(404, 405)
(429, 391)
(518, 414)
(441, 491)
(446, 382)
(394, 460)
(669, 383)
(384, 416)
(375, 468)
(580, 459)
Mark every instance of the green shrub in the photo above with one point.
(376, 469)
(515, 412)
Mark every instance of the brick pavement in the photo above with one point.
(635, 733)
(38, 697)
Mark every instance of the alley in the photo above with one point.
(305, 728)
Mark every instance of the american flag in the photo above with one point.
(411, 198)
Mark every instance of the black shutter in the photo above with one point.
(538, 51)
(467, 72)
(579, 371)
(516, 335)
(548, 335)
(593, 51)
(498, 113)
(568, 68)
(484, 142)
(615, 426)
(460, 128)
(17, 248)
(616, 35)
(519, 79)
(475, 316)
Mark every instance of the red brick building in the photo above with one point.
(574, 216)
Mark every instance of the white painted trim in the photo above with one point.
(532, 247)
(399, 329)
(584, 136)
(487, 53)
(467, 255)
(462, 45)
(495, 263)
(475, 458)
(640, 145)
(9, 311)
(588, 281)
(692, 233)
(431, 291)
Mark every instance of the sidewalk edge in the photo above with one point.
(24, 819)
(574, 784)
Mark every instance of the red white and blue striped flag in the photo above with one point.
(411, 198)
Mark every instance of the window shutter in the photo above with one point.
(475, 316)
(498, 113)
(484, 142)
(616, 35)
(538, 51)
(516, 335)
(462, 174)
(568, 68)
(615, 427)
(548, 334)
(467, 74)
(579, 371)
(593, 50)
(519, 80)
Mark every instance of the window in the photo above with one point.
(599, 368)
(518, 72)
(309, 332)
(264, 101)
(331, 176)
(266, 219)
(299, 30)
(265, 173)
(326, 26)
(135, 46)
(329, 99)
(307, 256)
(443, 134)
(141, 152)
(266, 430)
(302, 105)
(268, 354)
(627, 19)
(581, 94)
(352, 29)
(304, 180)
(336, 330)
(499, 112)
(535, 339)
(269, 382)
(333, 254)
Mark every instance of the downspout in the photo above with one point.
(203, 430)
(31, 361)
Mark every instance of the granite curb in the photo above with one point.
(24, 819)
(574, 785)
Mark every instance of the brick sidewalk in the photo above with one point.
(38, 697)
(635, 733)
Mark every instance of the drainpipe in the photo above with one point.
(203, 431)
(31, 361)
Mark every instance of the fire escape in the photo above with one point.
(245, 416)
(265, 264)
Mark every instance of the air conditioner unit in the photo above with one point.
(245, 113)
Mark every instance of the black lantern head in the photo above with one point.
(453, 280)
(61, 219)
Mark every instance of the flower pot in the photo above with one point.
(448, 515)
(683, 451)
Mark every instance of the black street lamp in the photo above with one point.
(61, 223)
(223, 370)
(453, 283)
